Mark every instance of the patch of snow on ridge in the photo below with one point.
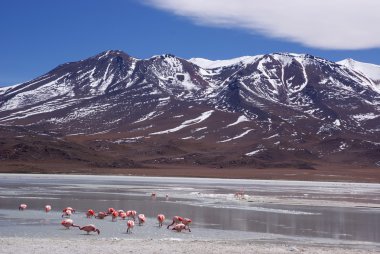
(343, 146)
(273, 136)
(370, 70)
(127, 140)
(55, 88)
(210, 64)
(199, 129)
(363, 117)
(305, 76)
(146, 117)
(254, 152)
(187, 123)
(187, 83)
(337, 122)
(238, 136)
(40, 109)
(5, 89)
(239, 120)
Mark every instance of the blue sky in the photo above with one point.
(38, 35)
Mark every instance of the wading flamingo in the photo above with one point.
(123, 215)
(90, 228)
(179, 227)
(66, 213)
(67, 223)
(176, 220)
(110, 210)
(120, 211)
(47, 208)
(69, 208)
(22, 207)
(167, 197)
(101, 215)
(132, 214)
(153, 195)
(130, 225)
(161, 219)
(239, 195)
(115, 214)
(90, 213)
(187, 222)
(142, 219)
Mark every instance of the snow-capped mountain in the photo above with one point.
(371, 71)
(251, 110)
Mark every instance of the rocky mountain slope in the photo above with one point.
(268, 111)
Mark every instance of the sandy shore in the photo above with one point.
(115, 245)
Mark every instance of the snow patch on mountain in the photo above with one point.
(6, 89)
(239, 120)
(254, 152)
(370, 70)
(45, 92)
(236, 137)
(364, 117)
(214, 64)
(187, 123)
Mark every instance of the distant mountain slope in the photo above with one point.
(274, 110)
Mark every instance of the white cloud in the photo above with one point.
(327, 24)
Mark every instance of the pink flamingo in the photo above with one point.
(130, 225)
(120, 211)
(115, 214)
(22, 207)
(239, 195)
(161, 219)
(90, 228)
(123, 215)
(187, 222)
(67, 223)
(179, 227)
(69, 208)
(153, 195)
(176, 220)
(101, 215)
(132, 214)
(90, 213)
(110, 210)
(47, 208)
(66, 213)
(142, 219)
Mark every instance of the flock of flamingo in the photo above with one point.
(178, 224)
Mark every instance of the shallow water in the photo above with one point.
(210, 203)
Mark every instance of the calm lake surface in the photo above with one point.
(210, 203)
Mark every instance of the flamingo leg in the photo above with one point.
(171, 224)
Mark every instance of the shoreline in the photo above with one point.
(333, 173)
(117, 245)
(205, 178)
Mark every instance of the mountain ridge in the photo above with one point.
(272, 110)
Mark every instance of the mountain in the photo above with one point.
(276, 110)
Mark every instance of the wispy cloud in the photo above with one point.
(326, 24)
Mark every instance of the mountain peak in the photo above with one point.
(110, 54)
(372, 71)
